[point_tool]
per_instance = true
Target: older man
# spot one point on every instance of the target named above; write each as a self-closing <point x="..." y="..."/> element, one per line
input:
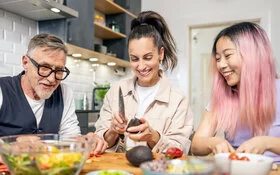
<point x="35" y="101"/>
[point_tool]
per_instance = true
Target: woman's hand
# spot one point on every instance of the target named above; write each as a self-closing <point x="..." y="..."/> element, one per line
<point x="100" y="145"/>
<point x="144" y="133"/>
<point x="222" y="146"/>
<point x="118" y="125"/>
<point x="257" y="145"/>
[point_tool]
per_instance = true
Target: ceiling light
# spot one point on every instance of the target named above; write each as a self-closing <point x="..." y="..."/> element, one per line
<point x="111" y="63"/>
<point x="76" y="55"/>
<point x="55" y="10"/>
<point x="95" y="65"/>
<point x="93" y="59"/>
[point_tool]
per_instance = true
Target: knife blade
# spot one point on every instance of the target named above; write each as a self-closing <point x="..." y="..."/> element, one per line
<point x="121" y="147"/>
<point x="121" y="105"/>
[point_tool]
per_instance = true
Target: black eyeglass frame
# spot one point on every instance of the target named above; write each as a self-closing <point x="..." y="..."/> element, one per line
<point x="37" y="65"/>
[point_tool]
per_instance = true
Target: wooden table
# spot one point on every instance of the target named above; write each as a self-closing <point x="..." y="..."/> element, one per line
<point x="110" y="161"/>
<point x="118" y="161"/>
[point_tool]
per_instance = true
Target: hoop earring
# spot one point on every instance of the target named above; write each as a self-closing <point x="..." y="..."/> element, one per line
<point x="160" y="65"/>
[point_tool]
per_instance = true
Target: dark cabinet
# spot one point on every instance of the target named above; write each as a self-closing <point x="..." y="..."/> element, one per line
<point x="121" y="12"/>
<point x="80" y="32"/>
<point x="119" y="46"/>
<point x="77" y="31"/>
<point x="81" y="29"/>
<point x="87" y="120"/>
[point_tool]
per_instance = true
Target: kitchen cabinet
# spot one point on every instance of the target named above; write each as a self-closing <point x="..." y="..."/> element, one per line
<point x="81" y="32"/>
<point x="109" y="7"/>
<point x="115" y="12"/>
<point x="38" y="10"/>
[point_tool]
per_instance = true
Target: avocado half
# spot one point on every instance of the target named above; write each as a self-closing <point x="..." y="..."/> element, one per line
<point x="133" y="122"/>
<point x="138" y="155"/>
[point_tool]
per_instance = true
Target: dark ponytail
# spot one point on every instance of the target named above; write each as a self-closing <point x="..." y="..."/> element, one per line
<point x="150" y="24"/>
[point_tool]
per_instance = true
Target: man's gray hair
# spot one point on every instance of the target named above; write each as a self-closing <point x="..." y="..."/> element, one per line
<point x="51" y="42"/>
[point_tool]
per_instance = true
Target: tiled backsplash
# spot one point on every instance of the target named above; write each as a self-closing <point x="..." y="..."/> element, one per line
<point x="15" y="33"/>
<point x="83" y="77"/>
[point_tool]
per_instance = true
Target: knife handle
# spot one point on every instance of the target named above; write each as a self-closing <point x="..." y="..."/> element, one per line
<point x="121" y="136"/>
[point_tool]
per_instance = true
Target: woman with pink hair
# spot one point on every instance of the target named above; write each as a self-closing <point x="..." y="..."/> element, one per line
<point x="245" y="100"/>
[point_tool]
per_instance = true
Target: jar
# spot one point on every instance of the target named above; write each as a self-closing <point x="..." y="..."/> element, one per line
<point x="114" y="26"/>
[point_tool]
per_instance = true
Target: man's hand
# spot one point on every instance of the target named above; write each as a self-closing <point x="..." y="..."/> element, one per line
<point x="100" y="144"/>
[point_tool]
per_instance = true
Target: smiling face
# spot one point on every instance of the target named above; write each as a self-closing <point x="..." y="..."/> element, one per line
<point x="34" y="85"/>
<point x="144" y="60"/>
<point x="229" y="61"/>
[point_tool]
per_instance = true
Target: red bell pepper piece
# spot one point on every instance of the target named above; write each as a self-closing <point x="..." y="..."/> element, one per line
<point x="173" y="153"/>
<point x="3" y="168"/>
<point x="94" y="155"/>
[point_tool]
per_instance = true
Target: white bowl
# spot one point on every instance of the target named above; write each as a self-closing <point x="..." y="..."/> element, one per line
<point x="258" y="164"/>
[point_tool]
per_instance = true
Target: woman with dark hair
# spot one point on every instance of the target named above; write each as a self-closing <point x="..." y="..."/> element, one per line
<point x="245" y="101"/>
<point x="164" y="112"/>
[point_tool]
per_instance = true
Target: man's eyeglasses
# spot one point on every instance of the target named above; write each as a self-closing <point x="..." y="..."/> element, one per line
<point x="45" y="71"/>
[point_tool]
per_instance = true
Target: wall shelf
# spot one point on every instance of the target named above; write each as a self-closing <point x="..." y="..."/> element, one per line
<point x="109" y="7"/>
<point x="103" y="59"/>
<point x="104" y="32"/>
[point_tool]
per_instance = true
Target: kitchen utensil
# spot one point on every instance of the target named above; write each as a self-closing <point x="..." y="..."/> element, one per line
<point x="121" y="105"/>
<point x="121" y="147"/>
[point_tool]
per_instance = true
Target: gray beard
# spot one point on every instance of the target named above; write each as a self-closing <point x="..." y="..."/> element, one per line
<point x="44" y="95"/>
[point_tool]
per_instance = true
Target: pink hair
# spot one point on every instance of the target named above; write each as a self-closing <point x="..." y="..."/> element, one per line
<point x="254" y="103"/>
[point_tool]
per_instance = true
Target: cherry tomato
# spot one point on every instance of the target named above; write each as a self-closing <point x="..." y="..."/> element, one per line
<point x="244" y="158"/>
<point x="233" y="156"/>
<point x="173" y="153"/>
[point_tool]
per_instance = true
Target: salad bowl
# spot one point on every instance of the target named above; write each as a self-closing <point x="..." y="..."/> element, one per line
<point x="45" y="154"/>
<point x="243" y="163"/>
<point x="191" y="166"/>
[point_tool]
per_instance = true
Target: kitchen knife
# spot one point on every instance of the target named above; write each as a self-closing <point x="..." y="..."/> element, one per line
<point x="121" y="147"/>
<point x="121" y="105"/>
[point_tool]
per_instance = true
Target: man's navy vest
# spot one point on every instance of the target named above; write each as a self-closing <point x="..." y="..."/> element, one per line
<point x="16" y="115"/>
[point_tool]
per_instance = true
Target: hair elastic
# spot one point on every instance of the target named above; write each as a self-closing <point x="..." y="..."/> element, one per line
<point x="143" y="24"/>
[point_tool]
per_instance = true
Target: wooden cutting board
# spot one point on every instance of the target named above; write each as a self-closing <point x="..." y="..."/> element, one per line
<point x="118" y="161"/>
<point x="110" y="161"/>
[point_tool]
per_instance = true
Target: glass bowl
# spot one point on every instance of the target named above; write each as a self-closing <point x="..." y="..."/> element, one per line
<point x="45" y="154"/>
<point x="192" y="166"/>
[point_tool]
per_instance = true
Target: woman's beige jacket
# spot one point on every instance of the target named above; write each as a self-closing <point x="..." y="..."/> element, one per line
<point x="169" y="114"/>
